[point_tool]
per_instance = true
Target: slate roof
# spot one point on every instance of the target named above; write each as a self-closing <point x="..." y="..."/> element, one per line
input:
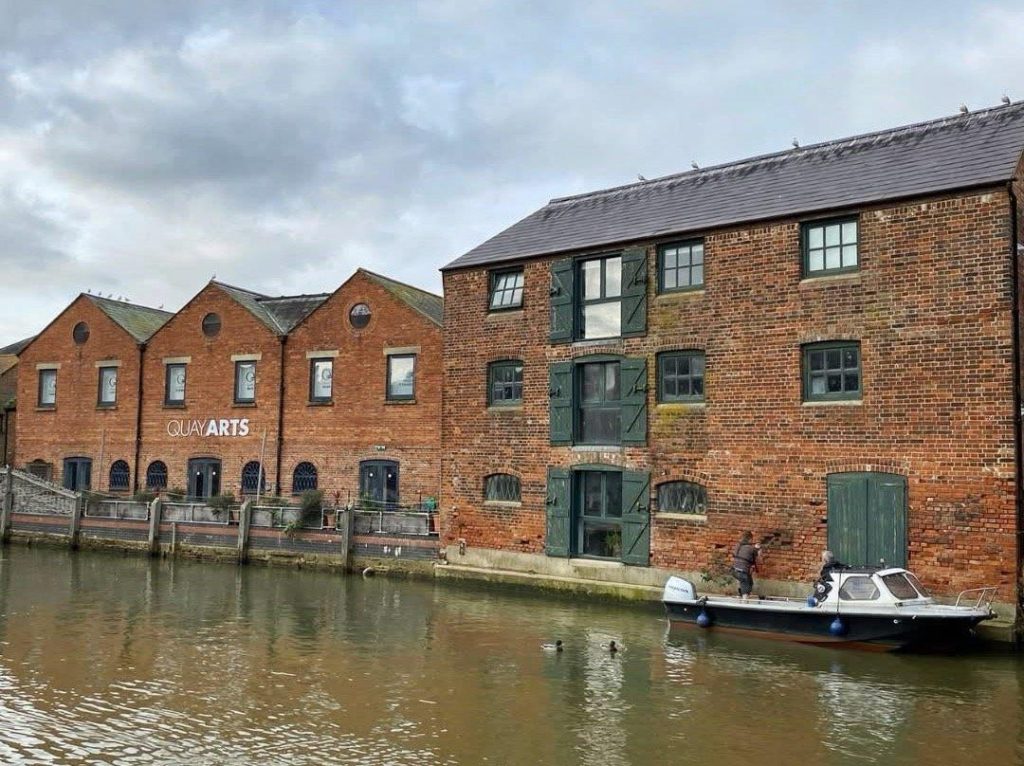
<point x="428" y="304"/>
<point x="16" y="348"/>
<point x="138" y="321"/>
<point x="289" y="310"/>
<point x="967" y="150"/>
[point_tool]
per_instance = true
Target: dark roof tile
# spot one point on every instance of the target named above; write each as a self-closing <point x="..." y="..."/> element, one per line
<point x="963" y="151"/>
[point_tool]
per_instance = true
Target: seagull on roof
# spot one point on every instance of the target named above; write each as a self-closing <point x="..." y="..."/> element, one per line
<point x="796" y="144"/>
<point x="964" y="109"/>
<point x="694" y="165"/>
<point x="640" y="177"/>
<point x="1006" y="100"/>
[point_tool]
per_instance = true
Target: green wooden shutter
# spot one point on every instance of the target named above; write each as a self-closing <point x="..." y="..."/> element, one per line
<point x="634" y="401"/>
<point x="560" y="391"/>
<point x="559" y="516"/>
<point x="887" y="520"/>
<point x="636" y="518"/>
<point x="634" y="291"/>
<point x="848" y="518"/>
<point x="562" y="306"/>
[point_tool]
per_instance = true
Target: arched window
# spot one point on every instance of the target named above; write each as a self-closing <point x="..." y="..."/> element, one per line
<point x="156" y="475"/>
<point x="251" y="478"/>
<point x="502" y="488"/>
<point x="682" y="497"/>
<point x="304" y="478"/>
<point x="41" y="468"/>
<point x="120" y="476"/>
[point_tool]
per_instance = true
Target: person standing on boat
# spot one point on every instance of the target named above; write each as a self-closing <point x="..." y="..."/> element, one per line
<point x="744" y="562"/>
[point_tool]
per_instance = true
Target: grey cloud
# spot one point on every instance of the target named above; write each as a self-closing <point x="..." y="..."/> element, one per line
<point x="145" y="145"/>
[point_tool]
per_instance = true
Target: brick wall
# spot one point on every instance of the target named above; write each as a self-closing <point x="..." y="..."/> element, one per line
<point x="77" y="427"/>
<point x="336" y="436"/>
<point x="8" y="417"/>
<point x="930" y="306"/>
<point x="209" y="391"/>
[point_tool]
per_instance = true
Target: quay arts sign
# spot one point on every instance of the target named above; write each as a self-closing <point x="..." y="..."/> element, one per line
<point x="210" y="427"/>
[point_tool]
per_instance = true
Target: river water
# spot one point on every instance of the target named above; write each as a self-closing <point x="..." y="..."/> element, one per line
<point x="120" y="660"/>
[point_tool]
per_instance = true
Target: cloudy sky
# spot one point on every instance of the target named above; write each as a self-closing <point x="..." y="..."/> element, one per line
<point x="147" y="145"/>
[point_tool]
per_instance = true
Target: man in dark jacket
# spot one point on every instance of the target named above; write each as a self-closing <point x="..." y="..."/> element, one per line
<point x="744" y="562"/>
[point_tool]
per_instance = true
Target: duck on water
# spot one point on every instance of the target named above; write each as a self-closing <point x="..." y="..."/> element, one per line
<point x="884" y="609"/>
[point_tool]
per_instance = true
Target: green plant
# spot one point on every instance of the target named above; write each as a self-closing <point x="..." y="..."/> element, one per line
<point x="221" y="504"/>
<point x="176" y="494"/>
<point x="614" y="543"/>
<point x="145" y="496"/>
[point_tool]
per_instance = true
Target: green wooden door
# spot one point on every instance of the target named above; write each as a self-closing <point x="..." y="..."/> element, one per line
<point x="867" y="518"/>
<point x="559" y="513"/>
<point x="636" y="518"/>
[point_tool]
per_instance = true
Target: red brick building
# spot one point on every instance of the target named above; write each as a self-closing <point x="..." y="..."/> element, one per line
<point x="820" y="345"/>
<point x="212" y="394"/>
<point x="237" y="392"/>
<point x="362" y="407"/>
<point x="78" y="394"/>
<point x="8" y="400"/>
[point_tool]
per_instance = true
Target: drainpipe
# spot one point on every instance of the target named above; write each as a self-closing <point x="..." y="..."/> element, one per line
<point x="138" y="420"/>
<point x="1015" y="247"/>
<point x="280" y="417"/>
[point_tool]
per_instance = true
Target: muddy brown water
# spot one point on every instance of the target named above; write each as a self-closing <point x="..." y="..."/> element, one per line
<point x="119" y="660"/>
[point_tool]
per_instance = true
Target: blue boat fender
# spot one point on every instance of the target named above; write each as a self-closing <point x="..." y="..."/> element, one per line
<point x="837" y="628"/>
<point x="812" y="601"/>
<point x="703" y="620"/>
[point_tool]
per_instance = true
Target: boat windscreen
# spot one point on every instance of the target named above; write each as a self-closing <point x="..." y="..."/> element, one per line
<point x="858" y="588"/>
<point x="899" y="586"/>
<point x="917" y="585"/>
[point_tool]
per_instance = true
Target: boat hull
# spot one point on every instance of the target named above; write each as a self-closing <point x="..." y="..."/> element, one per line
<point x="814" y="626"/>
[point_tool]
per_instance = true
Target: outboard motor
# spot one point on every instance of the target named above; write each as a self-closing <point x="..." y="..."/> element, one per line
<point x="678" y="589"/>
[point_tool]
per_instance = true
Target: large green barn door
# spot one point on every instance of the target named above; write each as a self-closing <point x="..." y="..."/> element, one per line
<point x="867" y="518"/>
<point x="887" y="519"/>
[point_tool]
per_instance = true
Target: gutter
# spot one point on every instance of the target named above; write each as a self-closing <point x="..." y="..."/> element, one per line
<point x="280" y="417"/>
<point x="138" y="420"/>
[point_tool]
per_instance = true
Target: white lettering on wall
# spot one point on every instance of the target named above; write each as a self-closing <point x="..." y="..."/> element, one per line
<point x="205" y="428"/>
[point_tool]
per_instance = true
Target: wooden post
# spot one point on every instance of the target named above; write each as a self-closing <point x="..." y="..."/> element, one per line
<point x="155" y="511"/>
<point x="8" y="506"/>
<point x="244" y="521"/>
<point x="76" y="522"/>
<point x="345" y="521"/>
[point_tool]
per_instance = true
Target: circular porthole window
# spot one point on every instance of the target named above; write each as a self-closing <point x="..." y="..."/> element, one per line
<point x="359" y="316"/>
<point x="80" y="333"/>
<point x="211" y="325"/>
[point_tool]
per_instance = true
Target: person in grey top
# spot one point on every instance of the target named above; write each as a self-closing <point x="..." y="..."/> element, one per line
<point x="744" y="562"/>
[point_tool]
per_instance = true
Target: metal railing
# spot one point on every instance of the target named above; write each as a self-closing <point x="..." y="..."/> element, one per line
<point x="983" y="600"/>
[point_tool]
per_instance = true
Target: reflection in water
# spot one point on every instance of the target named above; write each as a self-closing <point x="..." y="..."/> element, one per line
<point x="117" y="660"/>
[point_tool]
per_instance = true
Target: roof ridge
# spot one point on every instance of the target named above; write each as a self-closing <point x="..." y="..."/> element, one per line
<point x="268" y="298"/>
<point x="116" y="302"/>
<point x="239" y="289"/>
<point x="398" y="282"/>
<point x="800" y="150"/>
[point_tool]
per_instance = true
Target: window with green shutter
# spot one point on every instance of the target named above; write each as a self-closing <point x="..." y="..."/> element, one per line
<point x="558" y="513"/>
<point x="560" y="392"/>
<point x="634" y="292"/>
<point x="562" y="303"/>
<point x="636" y="518"/>
<point x="600" y="297"/>
<point x="598" y="401"/>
